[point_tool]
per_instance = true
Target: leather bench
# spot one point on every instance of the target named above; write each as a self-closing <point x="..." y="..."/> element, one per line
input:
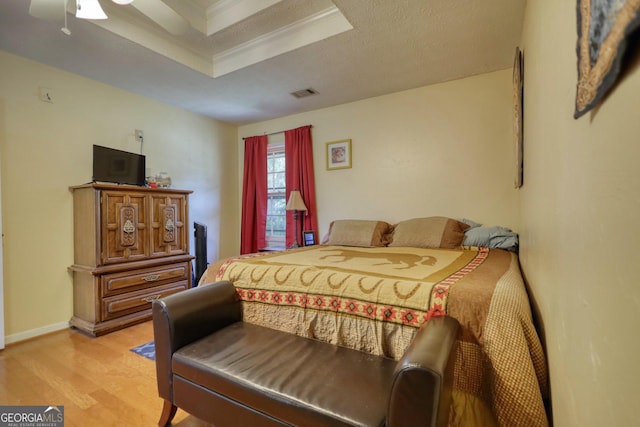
<point x="231" y="373"/>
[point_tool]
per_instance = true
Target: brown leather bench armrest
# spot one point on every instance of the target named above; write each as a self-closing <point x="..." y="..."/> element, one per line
<point x="187" y="316"/>
<point x="421" y="390"/>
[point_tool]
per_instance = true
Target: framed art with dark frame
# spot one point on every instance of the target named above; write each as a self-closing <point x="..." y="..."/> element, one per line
<point x="518" y="86"/>
<point x="339" y="154"/>
<point x="604" y="27"/>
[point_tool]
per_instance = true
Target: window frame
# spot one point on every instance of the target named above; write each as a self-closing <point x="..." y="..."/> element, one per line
<point x="275" y="149"/>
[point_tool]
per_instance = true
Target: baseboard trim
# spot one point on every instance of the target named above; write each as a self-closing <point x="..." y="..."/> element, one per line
<point x="33" y="333"/>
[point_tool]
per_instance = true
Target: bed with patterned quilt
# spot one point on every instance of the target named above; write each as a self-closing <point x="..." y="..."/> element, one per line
<point x="371" y="285"/>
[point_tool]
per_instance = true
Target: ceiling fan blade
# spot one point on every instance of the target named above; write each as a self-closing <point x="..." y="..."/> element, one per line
<point x="163" y="15"/>
<point x="47" y="9"/>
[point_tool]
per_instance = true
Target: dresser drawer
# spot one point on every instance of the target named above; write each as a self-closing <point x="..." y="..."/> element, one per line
<point x="133" y="302"/>
<point x="133" y="280"/>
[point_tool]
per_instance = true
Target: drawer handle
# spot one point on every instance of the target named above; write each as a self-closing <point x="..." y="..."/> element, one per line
<point x="151" y="298"/>
<point x="151" y="277"/>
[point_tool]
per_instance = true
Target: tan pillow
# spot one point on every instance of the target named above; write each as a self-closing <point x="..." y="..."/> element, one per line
<point x="431" y="232"/>
<point x="359" y="232"/>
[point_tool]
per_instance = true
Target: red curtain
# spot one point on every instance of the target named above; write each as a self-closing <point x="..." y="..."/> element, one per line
<point x="298" y="152"/>
<point x="254" y="195"/>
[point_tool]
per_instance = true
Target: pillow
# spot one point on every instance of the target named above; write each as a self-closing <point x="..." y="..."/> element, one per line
<point x="431" y="232"/>
<point x="359" y="232"/>
<point x="492" y="237"/>
<point x="470" y="223"/>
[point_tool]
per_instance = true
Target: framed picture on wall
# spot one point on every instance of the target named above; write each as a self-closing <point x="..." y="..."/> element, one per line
<point x="309" y="238"/>
<point x="604" y="29"/>
<point x="339" y="154"/>
<point x="517" y="115"/>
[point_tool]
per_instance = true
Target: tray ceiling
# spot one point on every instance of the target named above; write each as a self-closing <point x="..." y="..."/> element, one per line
<point x="240" y="60"/>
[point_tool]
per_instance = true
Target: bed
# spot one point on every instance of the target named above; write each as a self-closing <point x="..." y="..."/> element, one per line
<point x="370" y="286"/>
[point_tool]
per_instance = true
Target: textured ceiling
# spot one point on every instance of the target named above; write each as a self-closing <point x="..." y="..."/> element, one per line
<point x="345" y="49"/>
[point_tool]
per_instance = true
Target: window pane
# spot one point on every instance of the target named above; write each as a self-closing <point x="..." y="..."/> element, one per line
<point x="278" y="205"/>
<point x="279" y="163"/>
<point x="281" y="223"/>
<point x="273" y="165"/>
<point x="276" y="227"/>
<point x="279" y="181"/>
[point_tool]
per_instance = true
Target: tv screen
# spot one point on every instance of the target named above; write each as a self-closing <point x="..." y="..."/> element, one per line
<point x="120" y="167"/>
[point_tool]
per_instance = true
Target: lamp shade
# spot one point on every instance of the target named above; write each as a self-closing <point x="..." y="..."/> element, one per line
<point x="295" y="202"/>
<point x="89" y="9"/>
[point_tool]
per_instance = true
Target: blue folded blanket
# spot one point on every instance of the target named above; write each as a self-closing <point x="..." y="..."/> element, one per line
<point x="492" y="237"/>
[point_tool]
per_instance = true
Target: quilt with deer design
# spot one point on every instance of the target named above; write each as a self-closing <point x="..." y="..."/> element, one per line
<point x="374" y="299"/>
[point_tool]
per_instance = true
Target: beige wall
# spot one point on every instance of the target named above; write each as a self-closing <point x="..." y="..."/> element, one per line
<point x="439" y="150"/>
<point x="45" y="148"/>
<point x="580" y="207"/>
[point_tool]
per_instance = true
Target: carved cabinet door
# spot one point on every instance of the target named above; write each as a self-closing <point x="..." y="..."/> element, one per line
<point x="124" y="226"/>
<point x="168" y="224"/>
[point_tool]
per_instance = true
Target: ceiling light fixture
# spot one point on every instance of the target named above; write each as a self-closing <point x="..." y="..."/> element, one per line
<point x="89" y="9"/>
<point x="122" y="2"/>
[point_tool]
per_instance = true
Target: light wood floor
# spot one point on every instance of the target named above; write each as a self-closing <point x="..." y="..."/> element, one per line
<point x="99" y="381"/>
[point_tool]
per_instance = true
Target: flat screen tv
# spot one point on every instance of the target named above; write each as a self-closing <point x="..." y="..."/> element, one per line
<point x="117" y="166"/>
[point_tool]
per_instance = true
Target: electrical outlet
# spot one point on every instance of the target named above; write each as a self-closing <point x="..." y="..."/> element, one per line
<point x="46" y="94"/>
<point x="139" y="136"/>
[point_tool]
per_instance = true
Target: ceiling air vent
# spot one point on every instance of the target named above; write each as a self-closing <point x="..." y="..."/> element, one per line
<point x="304" y="93"/>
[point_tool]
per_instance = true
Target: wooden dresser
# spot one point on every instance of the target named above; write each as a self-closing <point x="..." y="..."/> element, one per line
<point x="131" y="246"/>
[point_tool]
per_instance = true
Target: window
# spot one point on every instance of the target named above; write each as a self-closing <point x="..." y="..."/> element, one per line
<point x="276" y="196"/>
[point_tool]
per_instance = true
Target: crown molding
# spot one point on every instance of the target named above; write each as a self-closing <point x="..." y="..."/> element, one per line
<point x="311" y="29"/>
<point x="225" y="13"/>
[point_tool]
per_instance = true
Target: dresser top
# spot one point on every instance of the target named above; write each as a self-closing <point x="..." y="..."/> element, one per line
<point x="126" y="187"/>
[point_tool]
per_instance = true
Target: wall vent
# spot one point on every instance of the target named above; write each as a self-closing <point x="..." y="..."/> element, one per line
<point x="304" y="93"/>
